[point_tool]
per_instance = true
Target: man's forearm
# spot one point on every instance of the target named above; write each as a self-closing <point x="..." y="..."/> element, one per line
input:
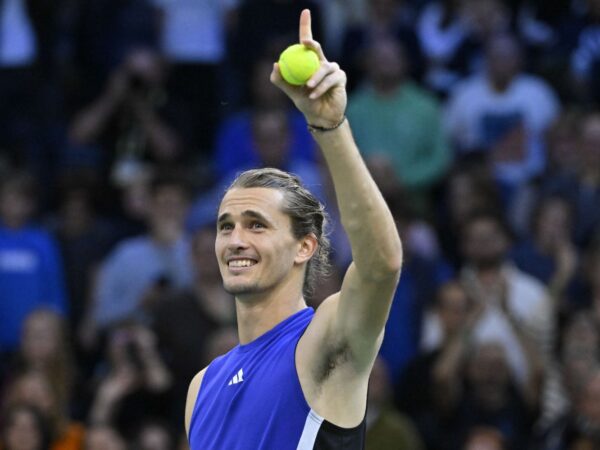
<point x="376" y="247"/>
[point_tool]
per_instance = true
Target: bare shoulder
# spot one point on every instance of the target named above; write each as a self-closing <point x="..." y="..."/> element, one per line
<point x="192" y="395"/>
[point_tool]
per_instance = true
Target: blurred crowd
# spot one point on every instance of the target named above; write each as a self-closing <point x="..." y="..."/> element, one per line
<point x="123" y="121"/>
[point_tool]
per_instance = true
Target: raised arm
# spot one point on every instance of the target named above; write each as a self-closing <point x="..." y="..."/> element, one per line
<point x="359" y="311"/>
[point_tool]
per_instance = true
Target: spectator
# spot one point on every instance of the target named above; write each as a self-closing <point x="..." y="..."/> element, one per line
<point x="160" y="257"/>
<point x="475" y="387"/>
<point x="237" y="146"/>
<point x="485" y="438"/>
<point x="35" y="388"/>
<point x="386" y="19"/>
<point x="23" y="428"/>
<point x="549" y="253"/>
<point x="27" y="61"/>
<point x="44" y="347"/>
<point x="184" y="320"/>
<point x="468" y="188"/>
<point x="129" y="121"/>
<point x="457" y="315"/>
<point x="104" y="437"/>
<point x="154" y="435"/>
<point x="134" y="383"/>
<point x="387" y="428"/>
<point x="451" y="34"/>
<point x="581" y="427"/>
<point x="517" y="314"/>
<point x="84" y="239"/>
<point x="504" y="113"/>
<point x="266" y="27"/>
<point x="31" y="273"/>
<point x="193" y="40"/>
<point x="514" y="301"/>
<point x="579" y="179"/>
<point x="562" y="165"/>
<point x="95" y="51"/>
<point x="399" y="121"/>
<point x="585" y="57"/>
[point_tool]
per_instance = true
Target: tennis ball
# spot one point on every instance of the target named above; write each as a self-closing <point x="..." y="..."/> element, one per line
<point x="297" y="64"/>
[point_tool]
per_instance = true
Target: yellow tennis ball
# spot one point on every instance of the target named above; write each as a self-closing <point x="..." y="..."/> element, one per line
<point x="297" y="64"/>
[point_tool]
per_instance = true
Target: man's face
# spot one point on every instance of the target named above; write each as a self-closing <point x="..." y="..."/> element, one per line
<point x="16" y="208"/>
<point x="169" y="203"/>
<point x="485" y="243"/>
<point x="453" y="308"/>
<point x="255" y="247"/>
<point x="503" y="60"/>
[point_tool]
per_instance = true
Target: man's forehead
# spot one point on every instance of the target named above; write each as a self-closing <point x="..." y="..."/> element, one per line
<point x="259" y="199"/>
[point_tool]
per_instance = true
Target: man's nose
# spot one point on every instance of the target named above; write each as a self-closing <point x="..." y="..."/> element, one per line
<point x="237" y="239"/>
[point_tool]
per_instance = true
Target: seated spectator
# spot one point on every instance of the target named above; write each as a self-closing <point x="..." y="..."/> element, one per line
<point x="35" y="388"/>
<point x="485" y="438"/>
<point x="23" y="427"/>
<point x="160" y="257"/>
<point x="549" y="253"/>
<point x="479" y="389"/>
<point x="104" y="437"/>
<point x="31" y="273"/>
<point x="102" y="34"/>
<point x="237" y="147"/>
<point x="193" y="38"/>
<point x="387" y="428"/>
<point x="154" y="435"/>
<point x="504" y="113"/>
<point x="130" y="121"/>
<point x="457" y="314"/>
<point x="517" y="312"/>
<point x="185" y="319"/>
<point x="385" y="18"/>
<point x="399" y="120"/>
<point x="468" y="188"/>
<point x="133" y="382"/>
<point x="451" y="34"/>
<point x="45" y="348"/>
<point x="580" y="427"/>
<point x="585" y="56"/>
<point x="562" y="164"/>
<point x="84" y="239"/>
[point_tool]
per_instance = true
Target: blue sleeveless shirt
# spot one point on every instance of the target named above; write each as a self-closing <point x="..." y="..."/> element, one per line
<point x="251" y="399"/>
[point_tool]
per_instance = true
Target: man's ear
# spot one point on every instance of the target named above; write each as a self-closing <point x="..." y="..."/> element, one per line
<point x="308" y="246"/>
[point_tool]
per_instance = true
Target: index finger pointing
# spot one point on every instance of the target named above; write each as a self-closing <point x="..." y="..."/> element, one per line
<point x="305" y="26"/>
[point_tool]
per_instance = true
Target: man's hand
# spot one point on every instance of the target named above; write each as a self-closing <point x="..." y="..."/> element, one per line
<point x="323" y="99"/>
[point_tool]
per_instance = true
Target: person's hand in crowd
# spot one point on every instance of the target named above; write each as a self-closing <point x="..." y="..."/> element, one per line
<point x="323" y="99"/>
<point x="157" y="376"/>
<point x="118" y="384"/>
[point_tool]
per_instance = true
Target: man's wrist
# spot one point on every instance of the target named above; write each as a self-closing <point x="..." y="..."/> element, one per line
<point x="318" y="128"/>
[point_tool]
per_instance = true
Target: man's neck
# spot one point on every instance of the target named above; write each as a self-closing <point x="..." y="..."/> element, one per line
<point x="256" y="316"/>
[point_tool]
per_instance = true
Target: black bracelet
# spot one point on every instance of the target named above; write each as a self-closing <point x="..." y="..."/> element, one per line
<point x="315" y="128"/>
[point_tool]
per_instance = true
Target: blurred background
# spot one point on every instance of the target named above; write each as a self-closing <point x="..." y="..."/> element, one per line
<point x="122" y="122"/>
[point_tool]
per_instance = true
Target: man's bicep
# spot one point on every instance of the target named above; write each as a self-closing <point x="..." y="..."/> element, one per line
<point x="192" y="395"/>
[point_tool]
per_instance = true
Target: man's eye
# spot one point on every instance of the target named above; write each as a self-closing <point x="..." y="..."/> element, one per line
<point x="257" y="225"/>
<point x="225" y="227"/>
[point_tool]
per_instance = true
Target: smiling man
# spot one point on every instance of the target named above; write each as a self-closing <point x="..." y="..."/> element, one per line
<point x="298" y="379"/>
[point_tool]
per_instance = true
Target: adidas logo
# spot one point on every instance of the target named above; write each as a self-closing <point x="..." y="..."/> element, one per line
<point x="237" y="378"/>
